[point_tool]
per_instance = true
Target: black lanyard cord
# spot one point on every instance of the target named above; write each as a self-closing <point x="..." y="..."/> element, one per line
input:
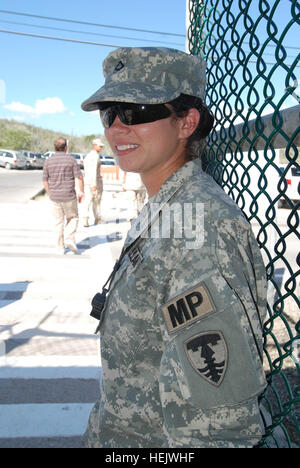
<point x="100" y="298"/>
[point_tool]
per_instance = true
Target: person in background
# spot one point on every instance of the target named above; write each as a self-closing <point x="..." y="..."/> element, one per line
<point x="133" y="185"/>
<point x="59" y="175"/>
<point x="93" y="183"/>
<point x="181" y="318"/>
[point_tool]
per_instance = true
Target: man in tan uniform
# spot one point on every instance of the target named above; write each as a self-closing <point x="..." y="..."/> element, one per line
<point x="93" y="182"/>
<point x="135" y="189"/>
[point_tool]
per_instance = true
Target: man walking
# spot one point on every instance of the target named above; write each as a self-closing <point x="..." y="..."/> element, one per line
<point x="93" y="182"/>
<point x="59" y="174"/>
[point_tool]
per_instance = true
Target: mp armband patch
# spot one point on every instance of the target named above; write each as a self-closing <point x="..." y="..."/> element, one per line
<point x="187" y="308"/>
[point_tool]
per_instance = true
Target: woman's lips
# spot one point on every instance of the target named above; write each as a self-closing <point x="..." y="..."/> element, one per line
<point x="122" y="150"/>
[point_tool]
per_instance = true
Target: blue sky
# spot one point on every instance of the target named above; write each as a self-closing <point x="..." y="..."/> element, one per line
<point x="43" y="82"/>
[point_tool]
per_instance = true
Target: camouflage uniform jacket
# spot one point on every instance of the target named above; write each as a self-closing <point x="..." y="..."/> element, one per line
<point x="181" y="332"/>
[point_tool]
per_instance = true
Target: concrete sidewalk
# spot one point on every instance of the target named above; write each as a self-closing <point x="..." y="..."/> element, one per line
<point x="49" y="354"/>
<point x="32" y="270"/>
<point x="31" y="266"/>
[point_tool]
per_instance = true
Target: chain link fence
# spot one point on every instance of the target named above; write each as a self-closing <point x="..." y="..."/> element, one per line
<point x="253" y="152"/>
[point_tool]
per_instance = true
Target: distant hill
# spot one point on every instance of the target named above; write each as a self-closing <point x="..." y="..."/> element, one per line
<point x="20" y="136"/>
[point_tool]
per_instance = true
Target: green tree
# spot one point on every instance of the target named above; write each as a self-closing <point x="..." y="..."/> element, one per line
<point x="11" y="138"/>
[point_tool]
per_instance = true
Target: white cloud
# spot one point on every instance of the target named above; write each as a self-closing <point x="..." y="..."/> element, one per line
<point x="19" y="107"/>
<point x="42" y="107"/>
<point x="18" y="118"/>
<point x="2" y="91"/>
<point x="50" y="106"/>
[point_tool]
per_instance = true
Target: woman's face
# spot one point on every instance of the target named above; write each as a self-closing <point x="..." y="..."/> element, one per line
<point x="150" y="149"/>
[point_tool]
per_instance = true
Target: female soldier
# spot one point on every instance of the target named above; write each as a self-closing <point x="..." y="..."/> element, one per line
<point x="181" y="336"/>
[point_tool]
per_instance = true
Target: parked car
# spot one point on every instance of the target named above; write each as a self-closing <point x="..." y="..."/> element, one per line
<point x="79" y="158"/>
<point x="107" y="160"/>
<point x="12" y="159"/>
<point x="292" y="178"/>
<point x="48" y="154"/>
<point x="34" y="159"/>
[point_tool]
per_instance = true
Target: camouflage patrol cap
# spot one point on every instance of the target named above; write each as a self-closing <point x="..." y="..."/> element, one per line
<point x="149" y="75"/>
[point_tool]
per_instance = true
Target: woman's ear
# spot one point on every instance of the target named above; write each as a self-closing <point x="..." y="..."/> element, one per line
<point x="189" y="123"/>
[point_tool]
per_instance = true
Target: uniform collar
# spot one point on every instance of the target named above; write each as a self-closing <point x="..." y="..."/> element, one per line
<point x="170" y="187"/>
<point x="176" y="180"/>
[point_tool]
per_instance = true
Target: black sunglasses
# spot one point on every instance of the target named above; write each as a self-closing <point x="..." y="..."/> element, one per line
<point x="132" y="114"/>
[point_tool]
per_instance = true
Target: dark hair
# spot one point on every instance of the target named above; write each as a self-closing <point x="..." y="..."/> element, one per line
<point x="180" y="107"/>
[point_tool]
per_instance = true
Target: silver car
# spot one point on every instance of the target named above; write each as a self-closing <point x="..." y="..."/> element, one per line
<point x="79" y="158"/>
<point x="48" y="154"/>
<point x="12" y="159"/>
<point x="34" y="159"/>
<point x="107" y="160"/>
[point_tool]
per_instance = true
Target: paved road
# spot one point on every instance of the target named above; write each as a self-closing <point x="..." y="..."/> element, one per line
<point x="18" y="186"/>
<point x="49" y="355"/>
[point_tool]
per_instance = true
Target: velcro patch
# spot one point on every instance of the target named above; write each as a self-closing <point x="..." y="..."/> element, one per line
<point x="135" y="256"/>
<point x="187" y="308"/>
<point x="207" y="352"/>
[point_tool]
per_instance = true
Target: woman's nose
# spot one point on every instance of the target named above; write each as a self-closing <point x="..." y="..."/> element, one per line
<point x="117" y="126"/>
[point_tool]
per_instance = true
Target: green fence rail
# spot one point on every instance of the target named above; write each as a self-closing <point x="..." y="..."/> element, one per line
<point x="251" y="49"/>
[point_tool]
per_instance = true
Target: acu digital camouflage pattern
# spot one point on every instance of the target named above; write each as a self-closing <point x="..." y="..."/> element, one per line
<point x="193" y="385"/>
<point x="149" y="75"/>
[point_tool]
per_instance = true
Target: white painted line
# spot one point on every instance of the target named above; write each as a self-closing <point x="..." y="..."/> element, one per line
<point x="50" y="367"/>
<point x="44" y="420"/>
<point x="28" y="249"/>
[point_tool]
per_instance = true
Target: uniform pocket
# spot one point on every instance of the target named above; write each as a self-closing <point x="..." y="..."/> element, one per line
<point x="218" y="360"/>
